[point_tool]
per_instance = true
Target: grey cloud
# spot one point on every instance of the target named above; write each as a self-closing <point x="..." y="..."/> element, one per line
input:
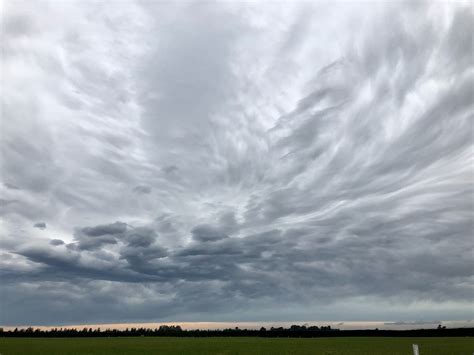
<point x="11" y="186"/>
<point x="170" y="169"/>
<point x="459" y="41"/>
<point x="94" y="238"/>
<point x="55" y="265"/>
<point x="92" y="243"/>
<point x="17" y="26"/>
<point x="228" y="222"/>
<point x="142" y="189"/>
<point x="256" y="170"/>
<point x="106" y="229"/>
<point x="207" y="233"/>
<point x="4" y="202"/>
<point x="185" y="63"/>
<point x="140" y="237"/>
<point x="140" y="259"/>
<point x="50" y="257"/>
<point x="40" y="225"/>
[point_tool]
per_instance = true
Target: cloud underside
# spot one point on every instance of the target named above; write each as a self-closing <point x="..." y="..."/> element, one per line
<point x="236" y="162"/>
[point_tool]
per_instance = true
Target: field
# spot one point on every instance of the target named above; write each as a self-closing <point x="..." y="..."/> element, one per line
<point x="150" y="345"/>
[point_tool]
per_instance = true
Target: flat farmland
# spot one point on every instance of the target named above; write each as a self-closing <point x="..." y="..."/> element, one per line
<point x="228" y="346"/>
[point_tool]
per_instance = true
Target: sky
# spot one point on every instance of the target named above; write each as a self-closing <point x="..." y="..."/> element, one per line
<point x="236" y="161"/>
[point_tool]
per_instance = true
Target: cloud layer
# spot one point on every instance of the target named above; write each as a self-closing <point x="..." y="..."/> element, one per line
<point x="236" y="162"/>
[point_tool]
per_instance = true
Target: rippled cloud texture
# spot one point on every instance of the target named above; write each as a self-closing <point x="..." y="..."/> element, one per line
<point x="236" y="161"/>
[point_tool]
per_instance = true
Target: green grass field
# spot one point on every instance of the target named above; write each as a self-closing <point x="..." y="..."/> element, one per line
<point x="324" y="346"/>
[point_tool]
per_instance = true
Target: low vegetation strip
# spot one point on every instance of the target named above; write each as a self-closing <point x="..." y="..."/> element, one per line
<point x="295" y="331"/>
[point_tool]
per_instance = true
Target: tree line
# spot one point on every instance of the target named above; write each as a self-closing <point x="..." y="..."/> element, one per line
<point x="295" y="331"/>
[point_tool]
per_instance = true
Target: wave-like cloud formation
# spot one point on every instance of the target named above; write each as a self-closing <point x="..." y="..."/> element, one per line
<point x="236" y="161"/>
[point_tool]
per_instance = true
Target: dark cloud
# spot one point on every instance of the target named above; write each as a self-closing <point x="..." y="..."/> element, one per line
<point x="105" y="229"/>
<point x="11" y="186"/>
<point x="140" y="237"/>
<point x="206" y="233"/>
<point x="92" y="243"/>
<point x="94" y="238"/>
<point x="40" y="225"/>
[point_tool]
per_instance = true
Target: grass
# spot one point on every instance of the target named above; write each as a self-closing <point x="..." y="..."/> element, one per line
<point x="228" y="346"/>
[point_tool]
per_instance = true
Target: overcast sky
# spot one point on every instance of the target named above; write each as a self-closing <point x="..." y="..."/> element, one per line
<point x="236" y="161"/>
